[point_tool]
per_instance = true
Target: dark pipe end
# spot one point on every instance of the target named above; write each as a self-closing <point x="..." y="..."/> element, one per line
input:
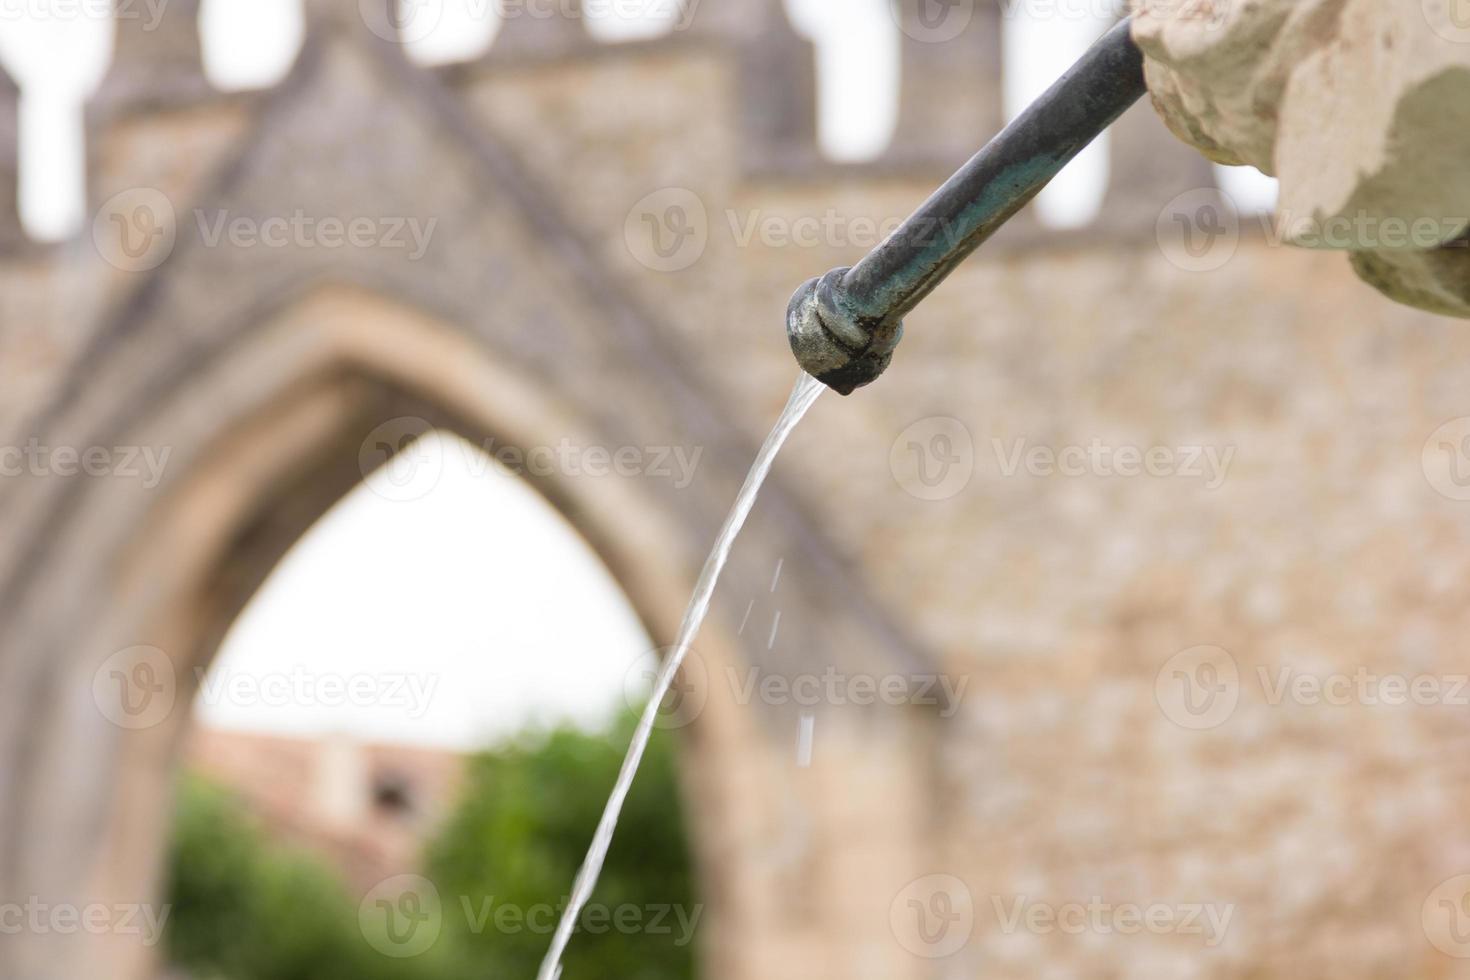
<point x="830" y="344"/>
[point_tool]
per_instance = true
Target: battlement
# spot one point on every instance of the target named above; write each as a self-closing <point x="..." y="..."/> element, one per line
<point x="777" y="81"/>
<point x="950" y="87"/>
<point x="154" y="65"/>
<point x="10" y="230"/>
<point x="543" y="37"/>
<point x="950" y="95"/>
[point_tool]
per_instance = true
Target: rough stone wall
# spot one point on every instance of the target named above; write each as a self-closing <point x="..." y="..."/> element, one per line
<point x="1182" y="748"/>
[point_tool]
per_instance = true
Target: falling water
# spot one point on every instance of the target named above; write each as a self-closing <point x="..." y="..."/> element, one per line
<point x="802" y="396"/>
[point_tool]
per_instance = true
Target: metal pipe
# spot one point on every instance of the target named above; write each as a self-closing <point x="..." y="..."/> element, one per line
<point x="844" y="326"/>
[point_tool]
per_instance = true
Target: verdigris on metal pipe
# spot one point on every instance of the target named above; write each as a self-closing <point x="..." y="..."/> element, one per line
<point x="844" y="326"/>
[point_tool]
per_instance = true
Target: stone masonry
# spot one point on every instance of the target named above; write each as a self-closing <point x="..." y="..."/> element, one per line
<point x="1186" y="511"/>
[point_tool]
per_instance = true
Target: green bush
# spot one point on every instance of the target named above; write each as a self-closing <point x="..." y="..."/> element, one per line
<point x="244" y="908"/>
<point x="519" y="837"/>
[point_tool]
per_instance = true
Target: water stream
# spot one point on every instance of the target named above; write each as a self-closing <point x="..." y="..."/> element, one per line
<point x="802" y="396"/>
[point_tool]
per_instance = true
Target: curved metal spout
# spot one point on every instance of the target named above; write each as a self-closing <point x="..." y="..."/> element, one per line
<point x="844" y="326"/>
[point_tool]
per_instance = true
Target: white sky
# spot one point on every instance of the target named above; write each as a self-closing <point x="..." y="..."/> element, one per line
<point x="57" y="50"/>
<point x="475" y="590"/>
<point x="478" y="588"/>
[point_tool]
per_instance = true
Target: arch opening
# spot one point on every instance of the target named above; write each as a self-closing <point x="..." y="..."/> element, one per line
<point x="428" y="687"/>
<point x="273" y="434"/>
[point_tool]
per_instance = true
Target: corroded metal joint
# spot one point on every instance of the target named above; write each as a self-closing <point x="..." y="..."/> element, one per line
<point x="843" y="326"/>
<point x="834" y="345"/>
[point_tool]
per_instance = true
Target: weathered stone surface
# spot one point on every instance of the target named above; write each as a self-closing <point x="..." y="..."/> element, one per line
<point x="1362" y="109"/>
<point x="776" y="81"/>
<point x="1309" y="516"/>
<point x="157" y="58"/>
<point x="950" y="81"/>
<point x="10" y="231"/>
<point x="1435" y="279"/>
<point x="1147" y="168"/>
<point x="1216" y="69"/>
<point x="541" y="32"/>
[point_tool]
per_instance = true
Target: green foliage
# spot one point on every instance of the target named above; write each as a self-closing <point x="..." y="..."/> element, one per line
<point x="244" y="908"/>
<point x="518" y="839"/>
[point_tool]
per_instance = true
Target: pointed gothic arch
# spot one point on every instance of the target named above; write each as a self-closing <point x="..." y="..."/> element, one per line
<point x="262" y="369"/>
